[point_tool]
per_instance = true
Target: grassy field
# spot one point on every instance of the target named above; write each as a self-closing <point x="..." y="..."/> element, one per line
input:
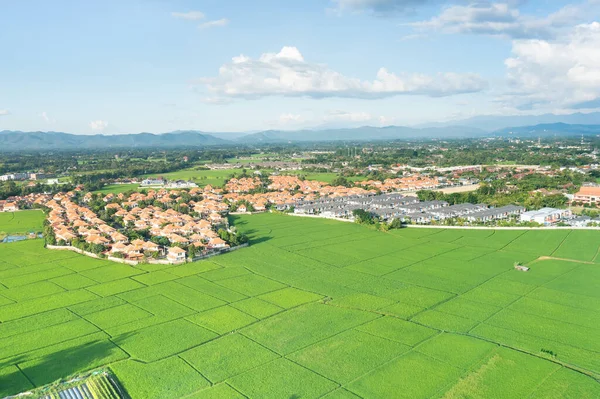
<point x="117" y="188"/>
<point x="202" y="177"/>
<point x="315" y="309"/>
<point x="322" y="176"/>
<point x="21" y="222"/>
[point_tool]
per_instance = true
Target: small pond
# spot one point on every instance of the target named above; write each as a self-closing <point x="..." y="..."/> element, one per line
<point x="15" y="238"/>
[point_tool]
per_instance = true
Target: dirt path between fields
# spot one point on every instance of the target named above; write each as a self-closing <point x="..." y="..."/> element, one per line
<point x="563" y="259"/>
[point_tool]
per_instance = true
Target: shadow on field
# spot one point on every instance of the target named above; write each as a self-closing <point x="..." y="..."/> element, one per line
<point x="236" y="220"/>
<point x="258" y="240"/>
<point x="57" y="365"/>
<point x="255" y="237"/>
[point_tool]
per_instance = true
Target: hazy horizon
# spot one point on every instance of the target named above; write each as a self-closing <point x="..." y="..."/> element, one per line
<point x="244" y="67"/>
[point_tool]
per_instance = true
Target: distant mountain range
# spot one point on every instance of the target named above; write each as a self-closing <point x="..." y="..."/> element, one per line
<point x="35" y="141"/>
<point x="15" y="140"/>
<point x="492" y="123"/>
<point x="549" y="129"/>
<point x="361" y="134"/>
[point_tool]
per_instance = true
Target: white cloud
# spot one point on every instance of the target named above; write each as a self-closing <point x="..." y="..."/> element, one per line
<point x="4" y="112"/>
<point x="214" y="24"/>
<point x="503" y="19"/>
<point x="98" y="125"/>
<point x="560" y="73"/>
<point x="190" y="15"/>
<point x="46" y="118"/>
<point x="287" y="74"/>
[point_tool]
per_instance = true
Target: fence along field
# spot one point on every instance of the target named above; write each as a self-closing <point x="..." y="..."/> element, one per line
<point x="315" y="308"/>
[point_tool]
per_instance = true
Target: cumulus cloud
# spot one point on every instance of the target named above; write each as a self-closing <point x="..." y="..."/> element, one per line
<point x="214" y="24"/>
<point x="560" y="73"/>
<point x="189" y="16"/>
<point x="503" y="19"/>
<point x="287" y="73"/>
<point x="4" y="112"/>
<point x="380" y="6"/>
<point x="98" y="125"/>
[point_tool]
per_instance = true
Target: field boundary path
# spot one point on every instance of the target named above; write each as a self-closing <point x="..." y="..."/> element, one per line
<point x="541" y="258"/>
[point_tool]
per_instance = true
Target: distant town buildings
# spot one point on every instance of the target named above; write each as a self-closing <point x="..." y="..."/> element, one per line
<point x="151" y="181"/>
<point x="160" y="182"/>
<point x="14" y="176"/>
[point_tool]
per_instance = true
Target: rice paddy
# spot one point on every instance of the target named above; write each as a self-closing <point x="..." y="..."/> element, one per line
<point x="21" y="222"/>
<point x="315" y="309"/>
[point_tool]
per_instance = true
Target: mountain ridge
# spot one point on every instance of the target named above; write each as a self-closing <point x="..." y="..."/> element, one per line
<point x="496" y="122"/>
<point x="32" y="141"/>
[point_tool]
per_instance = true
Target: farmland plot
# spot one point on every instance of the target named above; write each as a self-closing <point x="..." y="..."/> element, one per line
<point x="315" y="309"/>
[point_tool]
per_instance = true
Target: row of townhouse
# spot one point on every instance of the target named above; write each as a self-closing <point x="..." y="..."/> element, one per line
<point x="422" y="206"/>
<point x="582" y="221"/>
<point x="385" y="205"/>
<point x="470" y="212"/>
<point x="407" y="209"/>
<point x="458" y="210"/>
<point x="546" y="216"/>
<point x="500" y="213"/>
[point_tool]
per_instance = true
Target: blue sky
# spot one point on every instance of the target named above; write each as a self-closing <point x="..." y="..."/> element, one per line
<point x="126" y="66"/>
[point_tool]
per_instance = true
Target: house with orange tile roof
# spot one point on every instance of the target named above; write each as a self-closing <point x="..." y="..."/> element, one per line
<point x="64" y="235"/>
<point x="119" y="247"/>
<point x="588" y="195"/>
<point x="96" y="239"/>
<point x="177" y="239"/>
<point x="119" y="238"/>
<point x="10" y="207"/>
<point x="217" y="243"/>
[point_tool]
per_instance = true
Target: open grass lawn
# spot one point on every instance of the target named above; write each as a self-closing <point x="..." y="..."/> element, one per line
<point x="117" y="188"/>
<point x="21" y="222"/>
<point x="322" y="176"/>
<point x="313" y="309"/>
<point x="201" y="177"/>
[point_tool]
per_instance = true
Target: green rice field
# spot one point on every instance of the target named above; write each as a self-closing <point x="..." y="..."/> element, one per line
<point x="315" y="308"/>
<point x="21" y="222"/>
